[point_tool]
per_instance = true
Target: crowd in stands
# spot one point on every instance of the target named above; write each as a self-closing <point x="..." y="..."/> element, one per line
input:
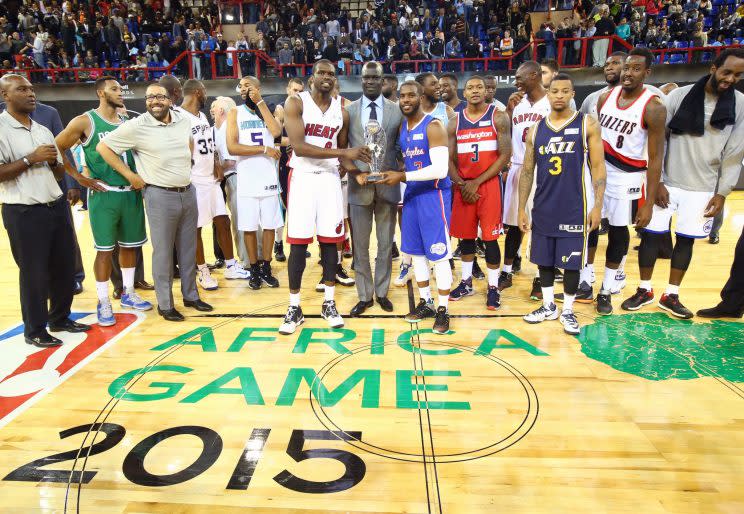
<point x="151" y="33"/>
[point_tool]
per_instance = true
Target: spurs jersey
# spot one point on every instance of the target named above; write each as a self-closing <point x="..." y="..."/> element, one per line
<point x="477" y="143"/>
<point x="321" y="129"/>
<point x="625" y="138"/>
<point x="257" y="174"/>
<point x="202" y="171"/>
<point x="524" y="116"/>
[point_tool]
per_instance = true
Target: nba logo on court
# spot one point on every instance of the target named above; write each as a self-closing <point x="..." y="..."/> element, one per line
<point x="27" y="373"/>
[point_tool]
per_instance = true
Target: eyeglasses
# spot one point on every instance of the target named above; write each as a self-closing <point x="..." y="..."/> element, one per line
<point x="159" y="98"/>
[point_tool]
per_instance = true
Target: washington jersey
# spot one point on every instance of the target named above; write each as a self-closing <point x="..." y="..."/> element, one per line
<point x="477" y="143"/>
<point x="414" y="144"/>
<point x="563" y="181"/>
<point x="321" y="129"/>
<point x="625" y="139"/>
<point x="524" y="116"/>
<point x="257" y="175"/>
<point x="202" y="171"/>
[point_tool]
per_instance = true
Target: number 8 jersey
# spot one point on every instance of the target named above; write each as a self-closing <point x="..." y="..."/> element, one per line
<point x="257" y="175"/>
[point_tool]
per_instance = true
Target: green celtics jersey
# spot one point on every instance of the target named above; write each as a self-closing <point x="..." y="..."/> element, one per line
<point x="93" y="160"/>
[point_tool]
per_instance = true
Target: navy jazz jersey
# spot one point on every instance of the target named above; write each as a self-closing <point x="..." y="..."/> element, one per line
<point x="414" y="144"/>
<point x="563" y="192"/>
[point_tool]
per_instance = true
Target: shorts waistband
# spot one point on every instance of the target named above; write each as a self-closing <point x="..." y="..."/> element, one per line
<point x="108" y="187"/>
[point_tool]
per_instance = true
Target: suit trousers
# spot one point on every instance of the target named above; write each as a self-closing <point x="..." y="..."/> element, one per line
<point x="384" y="215"/>
<point x="732" y="295"/>
<point x="42" y="244"/>
<point x="172" y="217"/>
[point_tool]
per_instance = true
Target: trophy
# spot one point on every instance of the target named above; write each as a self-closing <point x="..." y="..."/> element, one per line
<point x="374" y="138"/>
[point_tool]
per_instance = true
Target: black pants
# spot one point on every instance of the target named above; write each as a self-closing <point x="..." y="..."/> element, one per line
<point x="139" y="269"/>
<point x="41" y="240"/>
<point x="732" y="294"/>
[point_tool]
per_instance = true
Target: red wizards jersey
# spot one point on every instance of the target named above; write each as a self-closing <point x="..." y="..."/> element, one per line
<point x="477" y="143"/>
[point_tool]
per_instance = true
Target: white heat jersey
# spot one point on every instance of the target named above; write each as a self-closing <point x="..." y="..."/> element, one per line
<point x="524" y="116"/>
<point x="202" y="171"/>
<point x="321" y="129"/>
<point x="257" y="175"/>
<point x="625" y="140"/>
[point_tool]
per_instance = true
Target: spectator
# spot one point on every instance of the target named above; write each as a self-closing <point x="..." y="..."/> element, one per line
<point x="605" y="28"/>
<point x="622" y="30"/>
<point x="285" y="56"/>
<point x="331" y="52"/>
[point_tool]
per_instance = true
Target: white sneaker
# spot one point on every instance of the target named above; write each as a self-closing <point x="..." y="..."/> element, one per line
<point x="205" y="279"/>
<point x="570" y="323"/>
<point x="236" y="272"/>
<point x="292" y="320"/>
<point x="542" y="314"/>
<point x="320" y="286"/>
<point x="331" y="315"/>
<point x="405" y="276"/>
<point x="620" y="281"/>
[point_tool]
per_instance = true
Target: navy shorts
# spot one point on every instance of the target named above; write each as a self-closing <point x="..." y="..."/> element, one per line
<point x="558" y="252"/>
<point x="425" y="225"/>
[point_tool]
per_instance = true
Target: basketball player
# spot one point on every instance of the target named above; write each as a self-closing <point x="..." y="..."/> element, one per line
<point x="479" y="147"/>
<point x="390" y="87"/>
<point x="703" y="161"/>
<point x="491" y="86"/>
<point x="426" y="207"/>
<point x="317" y="127"/>
<point x="549" y="69"/>
<point x="632" y="120"/>
<point x="251" y="130"/>
<point x="560" y="150"/>
<point x="206" y="178"/>
<point x="448" y="85"/>
<point x="116" y="211"/>
<point x="528" y="105"/>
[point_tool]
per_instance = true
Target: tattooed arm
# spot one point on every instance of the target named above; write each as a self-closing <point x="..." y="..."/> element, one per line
<point x="526" y="178"/>
<point x="598" y="170"/>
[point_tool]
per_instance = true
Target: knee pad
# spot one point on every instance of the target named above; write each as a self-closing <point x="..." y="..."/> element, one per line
<point x="420" y="267"/>
<point x="592" y="239"/>
<point x="467" y="246"/>
<point x="329" y="261"/>
<point x="493" y="253"/>
<point x="649" y="249"/>
<point x="682" y="253"/>
<point x="443" y="274"/>
<point x="618" y="240"/>
<point x="547" y="275"/>
<point x="296" y="265"/>
<point x="571" y="281"/>
<point x="512" y="242"/>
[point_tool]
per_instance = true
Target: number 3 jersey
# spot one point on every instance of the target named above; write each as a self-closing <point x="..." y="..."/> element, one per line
<point x="525" y="115"/>
<point x="202" y="171"/>
<point x="625" y="140"/>
<point x="257" y="174"/>
<point x="563" y="194"/>
<point x="477" y="143"/>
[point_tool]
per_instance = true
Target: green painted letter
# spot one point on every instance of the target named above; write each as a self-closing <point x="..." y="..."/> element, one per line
<point x="204" y="335"/>
<point x="248" y="387"/>
<point x="307" y="337"/>
<point x="247" y="335"/>
<point x="492" y="341"/>
<point x="370" y="392"/>
<point x="117" y="387"/>
<point x="405" y="389"/>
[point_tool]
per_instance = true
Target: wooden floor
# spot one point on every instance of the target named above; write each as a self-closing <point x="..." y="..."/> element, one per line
<point x="641" y="413"/>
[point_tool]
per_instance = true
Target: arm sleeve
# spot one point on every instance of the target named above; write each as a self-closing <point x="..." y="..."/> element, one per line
<point x="122" y="138"/>
<point x="439" y="156"/>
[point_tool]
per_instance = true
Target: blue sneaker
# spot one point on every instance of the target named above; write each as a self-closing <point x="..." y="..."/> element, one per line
<point x="134" y="301"/>
<point x="493" y="298"/>
<point x="465" y="288"/>
<point x="406" y="274"/>
<point x="105" y="314"/>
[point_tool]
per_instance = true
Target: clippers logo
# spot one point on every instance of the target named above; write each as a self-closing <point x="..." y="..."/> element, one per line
<point x="413" y="152"/>
<point x="438" y="248"/>
<point x="27" y="373"/>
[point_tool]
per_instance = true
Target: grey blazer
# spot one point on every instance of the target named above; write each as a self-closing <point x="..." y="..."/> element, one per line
<point x="391" y="120"/>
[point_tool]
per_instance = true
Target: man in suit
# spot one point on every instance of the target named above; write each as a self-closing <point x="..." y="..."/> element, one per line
<point x="368" y="200"/>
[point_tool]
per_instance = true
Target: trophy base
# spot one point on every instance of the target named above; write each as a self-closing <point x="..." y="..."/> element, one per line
<point x="374" y="177"/>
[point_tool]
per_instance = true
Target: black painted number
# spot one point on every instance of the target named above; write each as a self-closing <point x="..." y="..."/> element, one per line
<point x="241" y="477"/>
<point x="206" y="146"/>
<point x="474" y="147"/>
<point x="354" y="471"/>
<point x="32" y="471"/>
<point x="620" y="140"/>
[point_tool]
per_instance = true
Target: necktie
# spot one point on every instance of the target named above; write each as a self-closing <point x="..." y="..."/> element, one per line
<point x="373" y="111"/>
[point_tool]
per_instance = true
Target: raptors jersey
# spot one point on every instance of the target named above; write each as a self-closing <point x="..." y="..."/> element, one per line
<point x="202" y="171"/>
<point x="524" y="116"/>
<point x="321" y="129"/>
<point x="257" y="174"/>
<point x="625" y="140"/>
<point x="563" y="191"/>
<point x="477" y="143"/>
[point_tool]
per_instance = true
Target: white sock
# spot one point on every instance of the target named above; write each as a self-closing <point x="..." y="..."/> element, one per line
<point x="127" y="279"/>
<point x="443" y="301"/>
<point x="585" y="275"/>
<point x="294" y="299"/>
<point x="672" y="289"/>
<point x="229" y="263"/>
<point x="467" y="270"/>
<point x="507" y="268"/>
<point x="405" y="258"/>
<point x="329" y="291"/>
<point x="425" y="293"/>
<point x="199" y="266"/>
<point x="279" y="234"/>
<point x="340" y="260"/>
<point x="493" y="277"/>
<point x="621" y="268"/>
<point x="591" y="272"/>
<point x="645" y="284"/>
<point x="103" y="291"/>
<point x="568" y="301"/>
<point x="609" y="280"/>
<point x="548" y="296"/>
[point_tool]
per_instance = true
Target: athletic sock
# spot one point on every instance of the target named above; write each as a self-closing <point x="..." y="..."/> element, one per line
<point x="279" y="234"/>
<point x="493" y="277"/>
<point x="672" y="289"/>
<point x="127" y="279"/>
<point x="329" y="292"/>
<point x="548" y="296"/>
<point x="621" y="268"/>
<point x="443" y="301"/>
<point x="425" y="293"/>
<point x="585" y="275"/>
<point x="467" y="270"/>
<point x="645" y="284"/>
<point x="609" y="280"/>
<point x="294" y="299"/>
<point x="507" y="268"/>
<point x="568" y="301"/>
<point x="340" y="259"/>
<point x="102" y="289"/>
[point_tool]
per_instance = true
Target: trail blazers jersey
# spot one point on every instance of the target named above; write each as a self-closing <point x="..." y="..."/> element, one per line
<point x="321" y="129"/>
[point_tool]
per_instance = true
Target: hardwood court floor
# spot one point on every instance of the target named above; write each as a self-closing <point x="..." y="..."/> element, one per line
<point x="641" y="414"/>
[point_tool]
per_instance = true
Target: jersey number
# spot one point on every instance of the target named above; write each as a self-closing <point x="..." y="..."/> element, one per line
<point x="557" y="166"/>
<point x="257" y="138"/>
<point x="206" y="146"/>
<point x="620" y="140"/>
<point x="474" y="158"/>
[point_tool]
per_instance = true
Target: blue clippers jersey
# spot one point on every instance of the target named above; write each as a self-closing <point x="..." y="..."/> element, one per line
<point x="414" y="144"/>
<point x="563" y="191"/>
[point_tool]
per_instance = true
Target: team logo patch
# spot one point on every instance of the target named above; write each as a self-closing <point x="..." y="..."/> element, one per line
<point x="566" y="258"/>
<point x="484" y="123"/>
<point x="418" y="137"/>
<point x="438" y="248"/>
<point x="708" y="226"/>
<point x="28" y="373"/>
<point x="572" y="131"/>
<point x="634" y="190"/>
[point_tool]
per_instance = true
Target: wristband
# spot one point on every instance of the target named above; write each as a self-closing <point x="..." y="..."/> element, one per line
<point x="26" y="161"/>
<point x="261" y="102"/>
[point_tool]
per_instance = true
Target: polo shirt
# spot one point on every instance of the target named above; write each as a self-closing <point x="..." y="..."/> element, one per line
<point x="161" y="150"/>
<point x="37" y="184"/>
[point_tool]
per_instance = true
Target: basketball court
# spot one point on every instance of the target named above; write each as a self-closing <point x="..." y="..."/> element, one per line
<point x="642" y="413"/>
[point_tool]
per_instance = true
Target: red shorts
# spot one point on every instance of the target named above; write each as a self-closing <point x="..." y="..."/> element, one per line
<point x="486" y="211"/>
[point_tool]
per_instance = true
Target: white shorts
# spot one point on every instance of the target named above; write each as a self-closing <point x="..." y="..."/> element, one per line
<point x="263" y="211"/>
<point x="315" y="207"/>
<point x="511" y="197"/>
<point x="211" y="203"/>
<point x="618" y="211"/>
<point x="690" y="208"/>
<point x="345" y="194"/>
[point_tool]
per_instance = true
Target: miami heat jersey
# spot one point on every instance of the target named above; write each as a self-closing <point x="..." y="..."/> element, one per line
<point x="524" y="116"/>
<point x="257" y="174"/>
<point x="321" y="129"/>
<point x="414" y="144"/>
<point x="477" y="143"/>
<point x="563" y="181"/>
<point x="202" y="171"/>
<point x="625" y="140"/>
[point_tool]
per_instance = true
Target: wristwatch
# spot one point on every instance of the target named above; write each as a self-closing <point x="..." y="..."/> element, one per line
<point x="27" y="162"/>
